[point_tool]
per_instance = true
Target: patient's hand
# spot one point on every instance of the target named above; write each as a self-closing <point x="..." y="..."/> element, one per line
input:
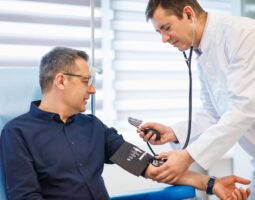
<point x="225" y="188"/>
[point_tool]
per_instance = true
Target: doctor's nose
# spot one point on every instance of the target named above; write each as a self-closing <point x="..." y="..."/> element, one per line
<point x="165" y="37"/>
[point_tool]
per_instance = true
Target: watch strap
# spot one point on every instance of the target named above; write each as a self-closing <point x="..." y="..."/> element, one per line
<point x="210" y="184"/>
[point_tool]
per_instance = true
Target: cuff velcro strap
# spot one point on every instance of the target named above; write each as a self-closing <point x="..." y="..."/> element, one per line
<point x="131" y="158"/>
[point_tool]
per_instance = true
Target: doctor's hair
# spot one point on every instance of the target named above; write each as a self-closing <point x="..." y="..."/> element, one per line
<point x="172" y="7"/>
<point x="59" y="59"/>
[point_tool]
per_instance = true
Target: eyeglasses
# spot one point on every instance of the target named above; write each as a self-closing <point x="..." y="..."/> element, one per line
<point x="89" y="79"/>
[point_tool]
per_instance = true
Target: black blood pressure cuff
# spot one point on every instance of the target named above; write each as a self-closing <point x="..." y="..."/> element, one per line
<point x="132" y="158"/>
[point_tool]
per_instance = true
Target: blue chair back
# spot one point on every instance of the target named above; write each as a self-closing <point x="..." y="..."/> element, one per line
<point x="18" y="87"/>
<point x="2" y="185"/>
<point x="167" y="193"/>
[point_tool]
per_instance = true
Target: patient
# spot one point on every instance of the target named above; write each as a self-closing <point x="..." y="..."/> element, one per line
<point x="54" y="152"/>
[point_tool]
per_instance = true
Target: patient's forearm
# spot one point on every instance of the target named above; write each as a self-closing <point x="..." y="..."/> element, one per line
<point x="192" y="178"/>
<point x="197" y="180"/>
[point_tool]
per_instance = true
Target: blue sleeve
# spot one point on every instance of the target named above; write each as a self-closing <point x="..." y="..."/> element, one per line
<point x="113" y="142"/>
<point x="112" y="139"/>
<point x="20" y="176"/>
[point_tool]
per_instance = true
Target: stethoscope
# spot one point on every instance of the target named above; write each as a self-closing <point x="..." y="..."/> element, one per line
<point x="188" y="62"/>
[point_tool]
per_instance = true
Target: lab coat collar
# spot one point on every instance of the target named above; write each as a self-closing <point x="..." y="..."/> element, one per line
<point x="208" y="33"/>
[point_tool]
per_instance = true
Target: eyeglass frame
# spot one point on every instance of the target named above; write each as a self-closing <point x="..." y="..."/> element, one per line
<point x="90" y="78"/>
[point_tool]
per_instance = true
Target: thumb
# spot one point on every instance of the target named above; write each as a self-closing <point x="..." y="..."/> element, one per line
<point x="146" y="125"/>
<point x="162" y="155"/>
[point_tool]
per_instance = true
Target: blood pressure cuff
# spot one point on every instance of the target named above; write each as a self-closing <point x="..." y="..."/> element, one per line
<point x="132" y="158"/>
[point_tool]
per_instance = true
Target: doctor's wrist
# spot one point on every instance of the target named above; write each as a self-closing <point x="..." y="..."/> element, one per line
<point x="172" y="136"/>
<point x="188" y="158"/>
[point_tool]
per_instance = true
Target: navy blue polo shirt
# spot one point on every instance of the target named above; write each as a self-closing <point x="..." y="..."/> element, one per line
<point x="44" y="158"/>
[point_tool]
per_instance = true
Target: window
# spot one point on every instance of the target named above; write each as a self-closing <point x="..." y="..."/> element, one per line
<point x="248" y="8"/>
<point x="29" y="29"/>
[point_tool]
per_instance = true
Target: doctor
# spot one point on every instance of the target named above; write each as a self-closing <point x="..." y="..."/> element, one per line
<point x="226" y="64"/>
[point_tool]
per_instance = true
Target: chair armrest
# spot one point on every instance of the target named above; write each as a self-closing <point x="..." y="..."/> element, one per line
<point x="167" y="193"/>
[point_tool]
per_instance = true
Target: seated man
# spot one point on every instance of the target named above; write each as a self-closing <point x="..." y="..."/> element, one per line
<point x="55" y="152"/>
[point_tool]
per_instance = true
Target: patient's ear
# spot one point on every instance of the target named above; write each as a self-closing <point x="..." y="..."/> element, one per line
<point x="59" y="81"/>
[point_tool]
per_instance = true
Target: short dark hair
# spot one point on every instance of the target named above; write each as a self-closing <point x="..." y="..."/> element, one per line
<point x="57" y="60"/>
<point x="172" y="7"/>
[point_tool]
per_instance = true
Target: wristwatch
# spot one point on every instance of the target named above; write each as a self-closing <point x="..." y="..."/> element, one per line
<point x="210" y="184"/>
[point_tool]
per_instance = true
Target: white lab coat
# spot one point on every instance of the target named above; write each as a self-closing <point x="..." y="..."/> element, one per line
<point x="227" y="73"/>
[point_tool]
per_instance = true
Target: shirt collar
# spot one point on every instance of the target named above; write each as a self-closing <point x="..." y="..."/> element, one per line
<point x="49" y="116"/>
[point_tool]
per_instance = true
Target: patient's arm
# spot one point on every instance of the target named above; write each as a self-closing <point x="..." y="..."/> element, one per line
<point x="224" y="187"/>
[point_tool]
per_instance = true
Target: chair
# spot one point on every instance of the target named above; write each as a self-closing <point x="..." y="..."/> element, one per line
<point x="18" y="87"/>
<point x="2" y="188"/>
<point x="167" y="193"/>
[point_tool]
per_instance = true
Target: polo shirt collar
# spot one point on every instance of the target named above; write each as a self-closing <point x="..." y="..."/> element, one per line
<point x="49" y="116"/>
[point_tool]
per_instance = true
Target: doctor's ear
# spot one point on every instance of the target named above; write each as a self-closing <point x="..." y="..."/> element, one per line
<point x="190" y="17"/>
<point x="188" y="12"/>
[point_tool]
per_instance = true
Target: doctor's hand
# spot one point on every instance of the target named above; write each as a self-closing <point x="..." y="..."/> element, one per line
<point x="225" y="188"/>
<point x="166" y="133"/>
<point x="178" y="161"/>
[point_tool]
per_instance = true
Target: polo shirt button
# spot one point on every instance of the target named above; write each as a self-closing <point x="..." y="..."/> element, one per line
<point x="80" y="164"/>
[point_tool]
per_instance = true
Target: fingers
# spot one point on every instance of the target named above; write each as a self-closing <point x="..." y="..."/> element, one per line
<point x="248" y="192"/>
<point x="240" y="194"/>
<point x="140" y="130"/>
<point x="148" y="137"/>
<point x="171" y="179"/>
<point x="242" y="180"/>
<point x="166" y="178"/>
<point x="164" y="173"/>
<point x="148" y="125"/>
<point x="235" y="195"/>
<point x="245" y="193"/>
<point x="151" y="171"/>
<point x="166" y="134"/>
